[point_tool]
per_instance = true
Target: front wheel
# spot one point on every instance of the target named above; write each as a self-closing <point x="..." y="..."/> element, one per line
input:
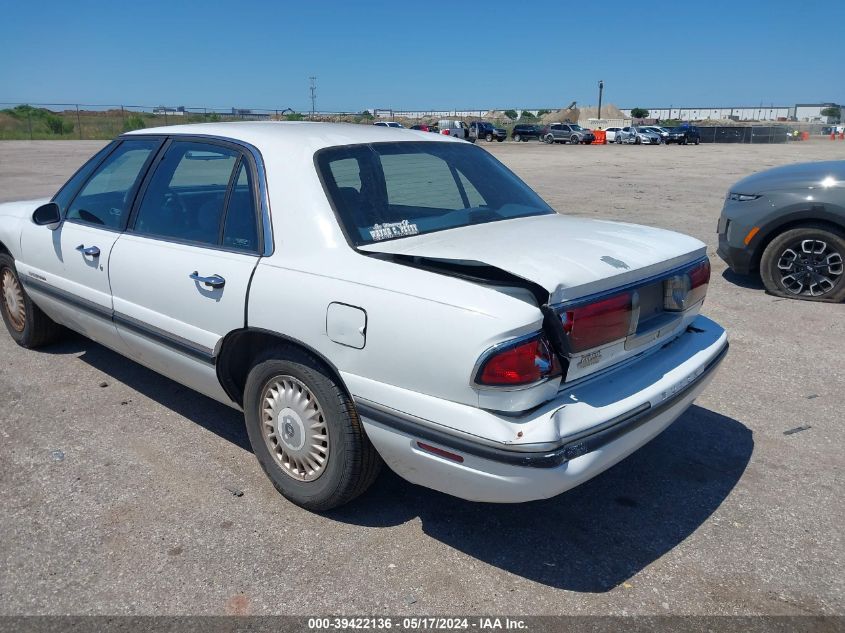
<point x="305" y="431"/>
<point x="806" y="263"/>
<point x="517" y="138"/>
<point x="489" y="138"/>
<point x="27" y="325"/>
<point x="574" y="140"/>
<point x="549" y="139"/>
<point x="697" y="141"/>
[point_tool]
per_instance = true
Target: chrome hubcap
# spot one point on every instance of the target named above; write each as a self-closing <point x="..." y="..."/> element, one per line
<point x="811" y="268"/>
<point x="295" y="428"/>
<point x="13" y="298"/>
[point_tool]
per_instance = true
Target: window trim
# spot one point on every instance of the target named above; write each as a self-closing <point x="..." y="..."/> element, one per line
<point x="143" y="172"/>
<point x="239" y="159"/>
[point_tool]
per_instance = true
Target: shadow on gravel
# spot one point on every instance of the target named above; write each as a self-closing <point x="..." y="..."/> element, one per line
<point x="743" y="281"/>
<point x="589" y="539"/>
<point x="210" y="414"/>
<point x="597" y="535"/>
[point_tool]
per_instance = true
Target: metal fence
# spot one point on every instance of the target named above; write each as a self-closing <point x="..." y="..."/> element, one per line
<point x="744" y="134"/>
<point x="39" y="121"/>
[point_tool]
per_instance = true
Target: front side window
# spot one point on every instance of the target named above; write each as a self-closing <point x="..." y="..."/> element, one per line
<point x="186" y="197"/>
<point x="392" y="190"/>
<point x="107" y="196"/>
<point x="69" y="189"/>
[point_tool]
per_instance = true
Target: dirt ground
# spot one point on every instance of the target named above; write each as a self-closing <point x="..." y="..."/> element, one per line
<point x="141" y="497"/>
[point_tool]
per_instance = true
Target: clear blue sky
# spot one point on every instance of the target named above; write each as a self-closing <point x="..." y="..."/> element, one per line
<point x="408" y="55"/>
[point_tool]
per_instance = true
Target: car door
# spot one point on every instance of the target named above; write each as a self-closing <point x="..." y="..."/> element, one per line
<point x="66" y="270"/>
<point x="181" y="272"/>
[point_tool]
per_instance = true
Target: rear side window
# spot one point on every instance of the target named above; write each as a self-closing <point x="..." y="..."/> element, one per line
<point x="107" y="196"/>
<point x="200" y="193"/>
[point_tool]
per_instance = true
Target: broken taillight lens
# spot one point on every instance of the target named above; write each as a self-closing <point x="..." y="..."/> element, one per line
<point x="684" y="290"/>
<point x="522" y="363"/>
<point x="597" y="323"/>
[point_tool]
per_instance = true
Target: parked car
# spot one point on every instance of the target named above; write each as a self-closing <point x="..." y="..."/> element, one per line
<point x="456" y="128"/>
<point x="634" y="135"/>
<point x="661" y="132"/>
<point x="684" y="135"/>
<point x="369" y="296"/>
<point x="788" y="224"/>
<point x="487" y="131"/>
<point x="526" y="132"/>
<point x="610" y="133"/>
<point x="421" y="127"/>
<point x="571" y="133"/>
<point x="388" y="124"/>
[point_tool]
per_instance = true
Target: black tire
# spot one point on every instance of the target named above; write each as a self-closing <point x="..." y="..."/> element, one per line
<point x="30" y="327"/>
<point x="697" y="141"/>
<point x="638" y="141"/>
<point x="574" y="140"/>
<point x="517" y="138"/>
<point x="352" y="463"/>
<point x="500" y="139"/>
<point x="549" y="139"/>
<point x="777" y="264"/>
<point x="489" y="137"/>
<point x="683" y="141"/>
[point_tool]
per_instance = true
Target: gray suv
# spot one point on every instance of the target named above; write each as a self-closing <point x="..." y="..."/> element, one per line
<point x="789" y="223"/>
<point x="567" y="133"/>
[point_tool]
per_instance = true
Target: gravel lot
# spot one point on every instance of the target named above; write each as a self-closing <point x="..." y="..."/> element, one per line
<point x="125" y="493"/>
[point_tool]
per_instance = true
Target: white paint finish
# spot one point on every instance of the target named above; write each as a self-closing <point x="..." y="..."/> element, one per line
<point x="151" y="282"/>
<point x="53" y="257"/>
<point x="563" y="254"/>
<point x="346" y="325"/>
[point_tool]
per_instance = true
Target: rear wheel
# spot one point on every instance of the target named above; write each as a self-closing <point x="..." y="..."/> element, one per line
<point x="697" y="141"/>
<point x="574" y="140"/>
<point x="489" y="137"/>
<point x="26" y="323"/>
<point x="517" y="138"/>
<point x="806" y="263"/>
<point x="305" y="431"/>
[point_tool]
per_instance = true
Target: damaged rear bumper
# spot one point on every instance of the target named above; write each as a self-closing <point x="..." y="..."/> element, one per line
<point x="494" y="472"/>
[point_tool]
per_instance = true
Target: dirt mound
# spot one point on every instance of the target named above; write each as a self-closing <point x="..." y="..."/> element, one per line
<point x="559" y="116"/>
<point x="608" y="111"/>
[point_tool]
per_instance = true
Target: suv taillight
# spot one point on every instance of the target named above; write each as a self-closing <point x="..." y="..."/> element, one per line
<point x="521" y="363"/>
<point x="595" y="324"/>
<point x="684" y="290"/>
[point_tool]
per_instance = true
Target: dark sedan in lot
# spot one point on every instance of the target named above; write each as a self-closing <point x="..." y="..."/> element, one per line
<point x="525" y="132"/>
<point x="788" y="223"/>
<point x="683" y="135"/>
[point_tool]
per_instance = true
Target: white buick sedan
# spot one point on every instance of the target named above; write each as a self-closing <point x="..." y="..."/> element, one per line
<point x="369" y="295"/>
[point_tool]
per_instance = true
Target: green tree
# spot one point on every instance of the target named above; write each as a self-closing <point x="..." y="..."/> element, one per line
<point x="511" y="114"/>
<point x="57" y="125"/>
<point x="639" y="113"/>
<point x="134" y="122"/>
<point x="834" y="112"/>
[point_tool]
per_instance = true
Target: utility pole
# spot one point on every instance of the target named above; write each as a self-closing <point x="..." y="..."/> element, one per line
<point x="313" y="88"/>
<point x="601" y="89"/>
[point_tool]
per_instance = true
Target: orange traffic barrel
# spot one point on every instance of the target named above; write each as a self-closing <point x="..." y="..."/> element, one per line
<point x="601" y="137"/>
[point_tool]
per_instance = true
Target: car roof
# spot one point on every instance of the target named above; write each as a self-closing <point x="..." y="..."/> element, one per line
<point x="296" y="135"/>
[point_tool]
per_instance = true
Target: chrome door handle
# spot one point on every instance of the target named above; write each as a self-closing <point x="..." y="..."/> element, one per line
<point x="215" y="281"/>
<point x="91" y="251"/>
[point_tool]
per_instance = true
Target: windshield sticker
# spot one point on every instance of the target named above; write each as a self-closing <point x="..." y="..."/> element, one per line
<point x="389" y="230"/>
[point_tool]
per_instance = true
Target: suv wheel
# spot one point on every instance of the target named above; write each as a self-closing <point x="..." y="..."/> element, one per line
<point x="574" y="139"/>
<point x="27" y="325"/>
<point x="489" y="137"/>
<point x="549" y="139"/>
<point x="305" y="431"/>
<point x="517" y="138"/>
<point x="697" y="141"/>
<point x="806" y="263"/>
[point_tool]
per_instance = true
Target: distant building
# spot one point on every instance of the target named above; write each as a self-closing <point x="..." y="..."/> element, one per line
<point x="180" y="111"/>
<point x="802" y="112"/>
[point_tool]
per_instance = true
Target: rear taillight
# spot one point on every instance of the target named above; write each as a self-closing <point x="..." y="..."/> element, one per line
<point x="446" y="132"/>
<point x="594" y="324"/>
<point x="684" y="290"/>
<point x="521" y="363"/>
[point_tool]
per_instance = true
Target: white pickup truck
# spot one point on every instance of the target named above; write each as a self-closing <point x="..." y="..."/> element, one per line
<point x="368" y="295"/>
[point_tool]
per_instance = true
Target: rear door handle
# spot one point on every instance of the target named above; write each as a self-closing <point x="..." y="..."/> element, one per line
<point x="91" y="251"/>
<point x="215" y="281"/>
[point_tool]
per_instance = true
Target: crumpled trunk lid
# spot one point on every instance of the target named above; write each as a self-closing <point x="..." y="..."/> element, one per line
<point x="569" y="257"/>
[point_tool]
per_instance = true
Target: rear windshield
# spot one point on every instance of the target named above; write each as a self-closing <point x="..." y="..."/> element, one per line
<point x="385" y="191"/>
